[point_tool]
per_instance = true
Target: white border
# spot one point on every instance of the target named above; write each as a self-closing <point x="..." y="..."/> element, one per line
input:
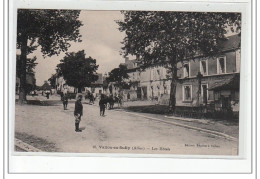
<point x="50" y="163"/>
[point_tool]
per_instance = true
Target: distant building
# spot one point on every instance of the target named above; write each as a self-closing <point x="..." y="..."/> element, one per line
<point x="61" y="86"/>
<point x="97" y="86"/>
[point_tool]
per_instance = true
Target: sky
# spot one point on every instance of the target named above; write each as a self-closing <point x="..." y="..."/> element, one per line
<point x="100" y="40"/>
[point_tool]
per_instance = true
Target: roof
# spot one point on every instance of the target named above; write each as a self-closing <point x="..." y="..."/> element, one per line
<point x="232" y="82"/>
<point x="231" y="42"/>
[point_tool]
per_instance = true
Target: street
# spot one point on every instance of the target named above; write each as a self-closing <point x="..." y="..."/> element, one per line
<point x="117" y="132"/>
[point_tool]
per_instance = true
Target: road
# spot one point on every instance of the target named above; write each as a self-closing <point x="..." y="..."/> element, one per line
<point x="117" y="132"/>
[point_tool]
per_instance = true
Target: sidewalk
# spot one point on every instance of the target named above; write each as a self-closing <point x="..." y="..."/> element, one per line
<point x="204" y="125"/>
<point x="230" y="128"/>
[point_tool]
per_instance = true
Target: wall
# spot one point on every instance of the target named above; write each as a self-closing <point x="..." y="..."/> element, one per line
<point x="209" y="80"/>
<point x="230" y="62"/>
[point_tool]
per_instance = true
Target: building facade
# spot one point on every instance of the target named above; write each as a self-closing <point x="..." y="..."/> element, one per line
<point x="215" y="81"/>
<point x="201" y="81"/>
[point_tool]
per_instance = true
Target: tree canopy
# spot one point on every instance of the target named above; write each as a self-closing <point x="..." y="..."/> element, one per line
<point x="52" y="80"/>
<point x="51" y="30"/>
<point x="164" y="38"/>
<point x="118" y="75"/>
<point x="160" y="38"/>
<point x="30" y="65"/>
<point x="77" y="70"/>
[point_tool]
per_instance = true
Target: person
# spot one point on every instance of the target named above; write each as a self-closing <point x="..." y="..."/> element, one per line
<point x="47" y="94"/>
<point x="102" y="105"/>
<point x="65" y="101"/>
<point x="91" y="98"/>
<point x="78" y="112"/>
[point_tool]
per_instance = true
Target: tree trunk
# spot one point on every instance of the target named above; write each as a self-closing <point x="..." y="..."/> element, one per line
<point x="23" y="58"/>
<point x="172" y="102"/>
<point x="80" y="90"/>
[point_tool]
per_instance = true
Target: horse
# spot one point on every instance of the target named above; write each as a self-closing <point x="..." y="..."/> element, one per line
<point x="119" y="100"/>
<point x="111" y="100"/>
<point x="91" y="98"/>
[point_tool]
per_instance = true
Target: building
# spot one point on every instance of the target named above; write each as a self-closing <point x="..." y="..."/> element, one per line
<point x="201" y="81"/>
<point x="148" y="84"/>
<point x="61" y="86"/>
<point x="97" y="87"/>
<point x="134" y="73"/>
<point x="218" y="83"/>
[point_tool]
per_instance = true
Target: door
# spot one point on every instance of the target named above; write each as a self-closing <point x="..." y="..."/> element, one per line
<point x="144" y="89"/>
<point x="139" y="93"/>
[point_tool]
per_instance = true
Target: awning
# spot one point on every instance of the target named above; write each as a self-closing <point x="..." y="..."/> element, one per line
<point x="231" y="83"/>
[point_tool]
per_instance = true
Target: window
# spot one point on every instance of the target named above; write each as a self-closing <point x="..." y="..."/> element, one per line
<point x="187" y="93"/>
<point x="204" y="67"/>
<point x="221" y="65"/>
<point x="186" y="70"/>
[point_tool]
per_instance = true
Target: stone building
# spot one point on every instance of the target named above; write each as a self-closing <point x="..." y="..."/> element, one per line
<point x="218" y="83"/>
<point x="201" y="81"/>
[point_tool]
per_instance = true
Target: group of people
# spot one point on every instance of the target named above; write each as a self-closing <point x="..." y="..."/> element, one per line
<point x="78" y="110"/>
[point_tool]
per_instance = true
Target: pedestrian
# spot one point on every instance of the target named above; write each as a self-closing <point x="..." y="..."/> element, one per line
<point x="78" y="112"/>
<point x="102" y="105"/>
<point x="65" y="101"/>
<point x="47" y="94"/>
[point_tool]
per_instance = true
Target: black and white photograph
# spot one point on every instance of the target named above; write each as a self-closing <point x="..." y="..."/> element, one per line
<point x="127" y="82"/>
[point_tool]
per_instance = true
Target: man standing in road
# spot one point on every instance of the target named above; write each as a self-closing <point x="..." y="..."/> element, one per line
<point x="78" y="112"/>
<point x="65" y="101"/>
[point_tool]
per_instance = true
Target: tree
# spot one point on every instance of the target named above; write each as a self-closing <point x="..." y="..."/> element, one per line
<point x="52" y="80"/>
<point x="30" y="74"/>
<point x="160" y="38"/>
<point x="52" y="30"/>
<point x="77" y="70"/>
<point x="118" y="75"/>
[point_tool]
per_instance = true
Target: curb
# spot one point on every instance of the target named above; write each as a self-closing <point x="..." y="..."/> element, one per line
<point x="214" y="133"/>
<point x="25" y="146"/>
